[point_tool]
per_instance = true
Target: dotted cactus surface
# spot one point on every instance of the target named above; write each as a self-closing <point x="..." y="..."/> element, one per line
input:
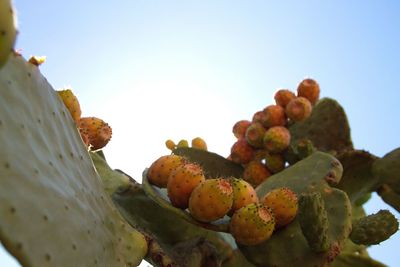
<point x="53" y="209"/>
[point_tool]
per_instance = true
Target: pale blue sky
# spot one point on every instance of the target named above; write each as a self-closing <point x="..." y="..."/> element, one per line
<point x="180" y="69"/>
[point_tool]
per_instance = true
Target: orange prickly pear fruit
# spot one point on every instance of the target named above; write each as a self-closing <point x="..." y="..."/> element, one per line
<point x="243" y="193"/>
<point x="258" y="116"/>
<point x="181" y="183"/>
<point x="72" y="103"/>
<point x="211" y="200"/>
<point x="239" y="128"/>
<point x="98" y="131"/>
<point x="160" y="170"/>
<point x="273" y="115"/>
<point x="284" y="205"/>
<point x="283" y="97"/>
<point x="277" y="139"/>
<point x="309" y="89"/>
<point x="170" y="144"/>
<point x="199" y="143"/>
<point x="255" y="173"/>
<point x="241" y="152"/>
<point x="299" y="109"/>
<point x="252" y="224"/>
<point x="255" y="135"/>
<point x="274" y="162"/>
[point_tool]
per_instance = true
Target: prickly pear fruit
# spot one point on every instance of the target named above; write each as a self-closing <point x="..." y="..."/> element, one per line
<point x="313" y="221"/>
<point x="298" y="109"/>
<point x="274" y="162"/>
<point x="181" y="183"/>
<point x="374" y="228"/>
<point x="183" y="143"/>
<point x="309" y="89"/>
<point x="199" y="143"/>
<point x="37" y="60"/>
<point x="258" y="116"/>
<point x="277" y="139"/>
<point x="255" y="135"/>
<point x="211" y="200"/>
<point x="8" y="31"/>
<point x="170" y="144"/>
<point x="284" y="205"/>
<point x="239" y="128"/>
<point x="85" y="137"/>
<point x="72" y="103"/>
<point x="241" y="152"/>
<point x="283" y="96"/>
<point x="160" y="169"/>
<point x="273" y="115"/>
<point x="243" y="193"/>
<point x="99" y="132"/>
<point x="252" y="224"/>
<point x="255" y="173"/>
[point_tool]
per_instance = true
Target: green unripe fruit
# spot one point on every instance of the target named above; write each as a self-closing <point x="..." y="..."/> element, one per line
<point x="274" y="162"/>
<point x="277" y="139"/>
<point x="8" y="30"/>
<point x="375" y="228"/>
<point x="183" y="143"/>
<point x="298" y="109"/>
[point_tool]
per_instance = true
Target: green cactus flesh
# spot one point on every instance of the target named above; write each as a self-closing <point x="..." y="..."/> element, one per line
<point x="388" y="169"/>
<point x="375" y="228"/>
<point x="313" y="221"/>
<point x="54" y="211"/>
<point x="305" y="176"/>
<point x="8" y="31"/>
<point x="327" y="127"/>
<point x="389" y="196"/>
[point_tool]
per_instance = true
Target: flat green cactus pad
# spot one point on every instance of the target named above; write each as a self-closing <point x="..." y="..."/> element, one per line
<point x="327" y="127"/>
<point x="288" y="246"/>
<point x="388" y="169"/>
<point x="54" y="211"/>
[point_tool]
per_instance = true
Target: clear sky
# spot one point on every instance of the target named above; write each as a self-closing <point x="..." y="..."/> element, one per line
<point x="179" y="69"/>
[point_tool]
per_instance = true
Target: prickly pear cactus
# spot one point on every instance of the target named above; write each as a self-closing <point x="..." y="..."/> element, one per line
<point x="54" y="210"/>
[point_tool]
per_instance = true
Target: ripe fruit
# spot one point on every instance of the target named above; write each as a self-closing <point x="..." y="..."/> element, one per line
<point x="309" y="89"/>
<point x="241" y="152"/>
<point x="258" y="116"/>
<point x="252" y="224"/>
<point x="283" y="203"/>
<point x="72" y="103"/>
<point x="277" y="139"/>
<point x="160" y="169"/>
<point x="37" y="60"/>
<point x="199" y="143"/>
<point x="274" y="162"/>
<point x="8" y="31"/>
<point x="283" y="97"/>
<point x="181" y="183"/>
<point x="243" y="193"/>
<point x="255" y="173"/>
<point x="255" y="135"/>
<point x="274" y="115"/>
<point x="211" y="200"/>
<point x="299" y="109"/>
<point x="183" y="143"/>
<point x="98" y="131"/>
<point x="240" y="127"/>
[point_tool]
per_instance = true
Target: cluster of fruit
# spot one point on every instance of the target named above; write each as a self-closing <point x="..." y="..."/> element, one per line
<point x="197" y="142"/>
<point x="253" y="220"/>
<point x="263" y="140"/>
<point x="95" y="132"/>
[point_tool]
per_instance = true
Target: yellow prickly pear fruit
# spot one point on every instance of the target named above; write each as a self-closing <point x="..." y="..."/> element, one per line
<point x="199" y="143"/>
<point x="243" y="193"/>
<point x="72" y="103"/>
<point x="183" y="143"/>
<point x="161" y="169"/>
<point x="170" y="144"/>
<point x="36" y="60"/>
<point x="255" y="172"/>
<point x="8" y="30"/>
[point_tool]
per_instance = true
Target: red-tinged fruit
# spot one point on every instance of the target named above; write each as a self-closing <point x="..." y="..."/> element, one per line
<point x="99" y="132"/>
<point x="72" y="103"/>
<point x="211" y="200"/>
<point x="277" y="139"/>
<point x="299" y="109"/>
<point x="252" y="224"/>
<point x="283" y="97"/>
<point x="274" y="162"/>
<point x="160" y="170"/>
<point x="273" y="115"/>
<point x="258" y="117"/>
<point x="181" y="183"/>
<point x="243" y="194"/>
<point x="255" y="135"/>
<point x="255" y="173"/>
<point x="199" y="143"/>
<point x="240" y="127"/>
<point x="241" y="152"/>
<point x="309" y="89"/>
<point x="284" y="205"/>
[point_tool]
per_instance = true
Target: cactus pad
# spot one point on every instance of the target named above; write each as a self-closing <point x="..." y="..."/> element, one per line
<point x="54" y="209"/>
<point x="388" y="169"/>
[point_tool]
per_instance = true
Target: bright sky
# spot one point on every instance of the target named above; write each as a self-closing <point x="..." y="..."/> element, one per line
<point x="179" y="69"/>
